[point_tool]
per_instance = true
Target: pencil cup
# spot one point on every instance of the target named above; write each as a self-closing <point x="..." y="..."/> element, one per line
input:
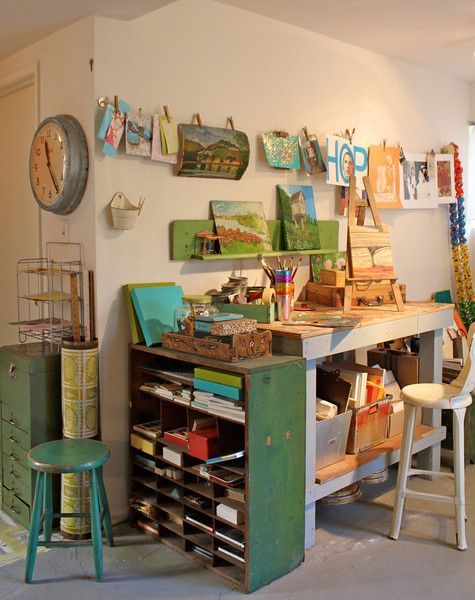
<point x="285" y="296"/>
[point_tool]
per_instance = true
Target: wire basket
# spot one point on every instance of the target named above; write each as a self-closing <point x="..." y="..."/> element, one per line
<point x="124" y="213"/>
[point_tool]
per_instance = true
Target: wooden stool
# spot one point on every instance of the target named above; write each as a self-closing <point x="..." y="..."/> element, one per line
<point x="455" y="397"/>
<point x="68" y="456"/>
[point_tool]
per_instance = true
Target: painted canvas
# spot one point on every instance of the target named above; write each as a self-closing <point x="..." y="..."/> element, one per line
<point x="312" y="158"/>
<point x="331" y="260"/>
<point x="445" y="178"/>
<point x="417" y="188"/>
<point x="299" y="216"/>
<point x="138" y="134"/>
<point x="370" y="252"/>
<point x="384" y="176"/>
<point x="157" y="150"/>
<point x="241" y="226"/>
<point x="345" y="158"/>
<point x="212" y="152"/>
<point x="282" y="149"/>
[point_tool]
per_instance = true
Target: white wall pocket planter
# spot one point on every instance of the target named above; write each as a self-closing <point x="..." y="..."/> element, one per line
<point x="124" y="213"/>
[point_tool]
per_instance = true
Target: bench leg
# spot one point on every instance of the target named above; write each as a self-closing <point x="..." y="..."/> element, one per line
<point x="96" y="529"/>
<point x="105" y="507"/>
<point x="35" y="525"/>
<point x="47" y="507"/>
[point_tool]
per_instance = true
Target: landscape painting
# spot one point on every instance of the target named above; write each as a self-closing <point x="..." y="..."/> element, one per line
<point x="212" y="152"/>
<point x="299" y="216"/>
<point x="241" y="227"/>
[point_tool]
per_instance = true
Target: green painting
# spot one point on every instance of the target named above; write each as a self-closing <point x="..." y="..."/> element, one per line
<point x="331" y="260"/>
<point x="299" y="217"/>
<point x="212" y="152"/>
<point x="241" y="227"/>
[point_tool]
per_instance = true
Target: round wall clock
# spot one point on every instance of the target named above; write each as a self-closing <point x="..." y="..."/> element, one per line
<point x="58" y="164"/>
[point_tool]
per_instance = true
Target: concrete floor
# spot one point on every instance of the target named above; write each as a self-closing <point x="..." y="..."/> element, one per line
<point x="353" y="559"/>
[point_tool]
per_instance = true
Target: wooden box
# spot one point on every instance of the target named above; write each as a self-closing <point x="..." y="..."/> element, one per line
<point x="332" y="277"/>
<point x="143" y="444"/>
<point x="256" y="344"/>
<point x="330" y="295"/>
<point x="203" y="443"/>
<point x="262" y="313"/>
<point x="369" y="425"/>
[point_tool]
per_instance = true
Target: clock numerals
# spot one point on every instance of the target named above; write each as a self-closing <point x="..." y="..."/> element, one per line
<point x="48" y="133"/>
<point x="38" y="181"/>
<point x="38" y="152"/>
<point x="50" y="195"/>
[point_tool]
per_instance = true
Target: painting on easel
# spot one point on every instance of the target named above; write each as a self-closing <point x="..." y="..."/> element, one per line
<point x="371" y="256"/>
<point x="212" y="152"/>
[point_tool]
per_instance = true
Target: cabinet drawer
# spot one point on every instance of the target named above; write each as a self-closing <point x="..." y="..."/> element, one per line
<point x="14" y="384"/>
<point x="16" y="478"/>
<point x="15" y="452"/>
<point x="15" y="436"/>
<point x="15" y="417"/>
<point x="16" y="508"/>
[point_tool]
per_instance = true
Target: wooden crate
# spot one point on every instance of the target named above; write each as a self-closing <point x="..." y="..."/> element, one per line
<point x="256" y="344"/>
<point x="332" y="277"/>
<point x="331" y="295"/>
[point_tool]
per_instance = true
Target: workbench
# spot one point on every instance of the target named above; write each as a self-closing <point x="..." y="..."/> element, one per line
<point x="378" y="324"/>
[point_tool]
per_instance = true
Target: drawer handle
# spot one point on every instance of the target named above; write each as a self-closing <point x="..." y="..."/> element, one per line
<point x="12" y="371"/>
<point x="15" y="475"/>
<point x="13" y="440"/>
<point x="13" y="509"/>
<point x="13" y="421"/>
<point x="13" y="457"/>
<point x="16" y="493"/>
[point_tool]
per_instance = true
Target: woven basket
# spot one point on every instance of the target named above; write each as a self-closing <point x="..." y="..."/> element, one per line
<point x="124" y="213"/>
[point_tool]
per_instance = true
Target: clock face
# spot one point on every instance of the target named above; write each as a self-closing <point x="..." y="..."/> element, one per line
<point x="47" y="166"/>
<point x="58" y="164"/>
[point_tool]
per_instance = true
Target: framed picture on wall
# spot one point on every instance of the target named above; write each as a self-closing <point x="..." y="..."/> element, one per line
<point x="445" y="178"/>
<point x="418" y="190"/>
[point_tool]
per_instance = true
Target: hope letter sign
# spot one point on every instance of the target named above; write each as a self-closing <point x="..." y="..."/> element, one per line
<point x="344" y="159"/>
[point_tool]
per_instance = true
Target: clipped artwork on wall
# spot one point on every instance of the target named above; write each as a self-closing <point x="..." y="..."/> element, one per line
<point x="138" y="134"/>
<point x="345" y="158"/>
<point x="445" y="178"/>
<point x="311" y="154"/>
<point x="157" y="150"/>
<point x="242" y="227"/>
<point x="384" y="175"/>
<point x="417" y="189"/>
<point x="212" y="152"/>
<point x="282" y="149"/>
<point x="299" y="216"/>
<point x="112" y="126"/>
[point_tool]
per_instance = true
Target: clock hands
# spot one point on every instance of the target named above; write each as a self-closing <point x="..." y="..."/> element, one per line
<point x="48" y="164"/>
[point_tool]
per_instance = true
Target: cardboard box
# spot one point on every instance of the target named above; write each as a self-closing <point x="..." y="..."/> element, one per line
<point x="333" y="277"/>
<point x="173" y="456"/>
<point x="369" y="426"/>
<point x="143" y="444"/>
<point x="404" y="365"/>
<point x="203" y="443"/>
<point x="234" y="516"/>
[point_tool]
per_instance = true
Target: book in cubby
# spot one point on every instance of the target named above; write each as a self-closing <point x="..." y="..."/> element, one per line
<point x="213" y="445"/>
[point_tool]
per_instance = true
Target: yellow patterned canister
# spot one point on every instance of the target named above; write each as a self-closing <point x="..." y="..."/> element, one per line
<point x="75" y="499"/>
<point x="79" y="389"/>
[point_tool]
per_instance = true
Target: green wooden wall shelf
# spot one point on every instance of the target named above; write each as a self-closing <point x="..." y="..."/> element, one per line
<point x="185" y="245"/>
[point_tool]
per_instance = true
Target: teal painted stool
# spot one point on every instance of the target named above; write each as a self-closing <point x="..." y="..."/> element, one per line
<point x="68" y="456"/>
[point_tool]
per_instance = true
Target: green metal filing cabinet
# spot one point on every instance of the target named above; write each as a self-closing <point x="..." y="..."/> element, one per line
<point x="30" y="394"/>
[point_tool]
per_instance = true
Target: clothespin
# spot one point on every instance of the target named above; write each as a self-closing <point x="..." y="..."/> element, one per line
<point x="116" y="105"/>
<point x="167" y="113"/>
<point x="305" y="132"/>
<point x="384" y="144"/>
<point x="281" y="133"/>
<point x="140" y="112"/>
<point x="198" y="118"/>
<point x="231" y="122"/>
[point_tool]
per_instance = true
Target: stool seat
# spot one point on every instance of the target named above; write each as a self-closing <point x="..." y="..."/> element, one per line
<point x="436" y="395"/>
<point x="68" y="456"/>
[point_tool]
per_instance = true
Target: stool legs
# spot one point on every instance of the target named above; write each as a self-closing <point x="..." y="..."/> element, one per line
<point x="459" y="472"/>
<point x="404" y="466"/>
<point x="47" y="506"/>
<point x="34" y="528"/>
<point x="105" y="508"/>
<point x="96" y="529"/>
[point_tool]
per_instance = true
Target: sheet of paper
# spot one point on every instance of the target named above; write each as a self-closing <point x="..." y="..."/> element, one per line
<point x="169" y="135"/>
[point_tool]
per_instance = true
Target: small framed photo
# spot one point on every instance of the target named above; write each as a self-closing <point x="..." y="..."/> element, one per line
<point x="445" y="178"/>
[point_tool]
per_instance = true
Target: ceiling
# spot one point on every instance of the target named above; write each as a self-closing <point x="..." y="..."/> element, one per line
<point x="437" y="33"/>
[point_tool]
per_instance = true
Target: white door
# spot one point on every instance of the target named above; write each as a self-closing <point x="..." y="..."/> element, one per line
<point x="19" y="213"/>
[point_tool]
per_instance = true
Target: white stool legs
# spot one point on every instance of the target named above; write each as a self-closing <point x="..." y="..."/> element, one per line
<point x="404" y="466"/>
<point x="459" y="472"/>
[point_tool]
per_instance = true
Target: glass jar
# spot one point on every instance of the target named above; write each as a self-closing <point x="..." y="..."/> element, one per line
<point x="192" y="306"/>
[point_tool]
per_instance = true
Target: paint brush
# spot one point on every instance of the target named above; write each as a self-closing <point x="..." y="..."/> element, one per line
<point x="296" y="268"/>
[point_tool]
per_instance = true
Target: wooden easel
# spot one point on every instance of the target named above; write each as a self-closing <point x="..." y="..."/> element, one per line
<point x="356" y="216"/>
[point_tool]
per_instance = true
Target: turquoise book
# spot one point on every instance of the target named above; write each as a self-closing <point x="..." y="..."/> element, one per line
<point x="232" y="379"/>
<point x="218" y="388"/>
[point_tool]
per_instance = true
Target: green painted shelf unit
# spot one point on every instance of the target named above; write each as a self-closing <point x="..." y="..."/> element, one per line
<point x="273" y="437"/>
<point x="185" y="245"/>
<point x="30" y="394"/>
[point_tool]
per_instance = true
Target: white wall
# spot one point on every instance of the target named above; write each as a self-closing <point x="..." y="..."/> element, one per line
<point x="202" y="56"/>
<point x="65" y="86"/>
